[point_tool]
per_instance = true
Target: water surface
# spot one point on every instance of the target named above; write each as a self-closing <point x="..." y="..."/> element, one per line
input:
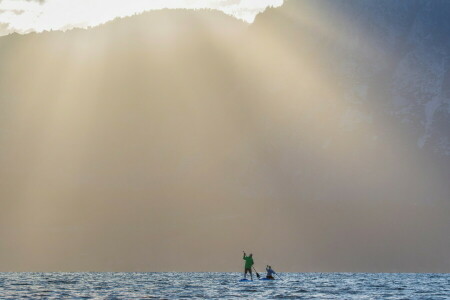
<point x="222" y="286"/>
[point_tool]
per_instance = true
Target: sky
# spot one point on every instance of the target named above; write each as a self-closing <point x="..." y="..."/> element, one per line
<point x="175" y="139"/>
<point x="24" y="16"/>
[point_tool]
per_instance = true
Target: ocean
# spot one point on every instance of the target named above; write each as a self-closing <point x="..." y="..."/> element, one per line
<point x="222" y="286"/>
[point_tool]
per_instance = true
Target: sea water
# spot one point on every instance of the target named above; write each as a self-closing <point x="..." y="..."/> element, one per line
<point x="222" y="286"/>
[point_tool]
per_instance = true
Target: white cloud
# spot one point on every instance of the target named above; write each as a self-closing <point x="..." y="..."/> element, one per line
<point x="24" y="16"/>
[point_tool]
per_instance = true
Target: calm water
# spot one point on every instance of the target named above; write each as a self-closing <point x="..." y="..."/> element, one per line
<point x="222" y="286"/>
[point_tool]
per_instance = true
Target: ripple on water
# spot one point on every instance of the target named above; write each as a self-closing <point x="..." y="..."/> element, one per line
<point x="20" y="286"/>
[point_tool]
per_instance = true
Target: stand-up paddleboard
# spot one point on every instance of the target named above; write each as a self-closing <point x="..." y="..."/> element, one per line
<point x="244" y="280"/>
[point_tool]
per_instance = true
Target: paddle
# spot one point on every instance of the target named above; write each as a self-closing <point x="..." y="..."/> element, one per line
<point x="278" y="276"/>
<point x="257" y="274"/>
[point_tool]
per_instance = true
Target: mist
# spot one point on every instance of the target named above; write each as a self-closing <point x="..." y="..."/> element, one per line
<point x="173" y="140"/>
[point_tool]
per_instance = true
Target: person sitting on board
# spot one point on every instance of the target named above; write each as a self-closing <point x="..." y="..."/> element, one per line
<point x="270" y="273"/>
<point x="248" y="265"/>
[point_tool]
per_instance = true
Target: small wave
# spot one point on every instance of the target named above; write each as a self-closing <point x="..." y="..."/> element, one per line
<point x="423" y="292"/>
<point x="62" y="281"/>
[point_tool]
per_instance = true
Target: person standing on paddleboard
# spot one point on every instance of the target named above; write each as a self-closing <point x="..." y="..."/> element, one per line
<point x="248" y="265"/>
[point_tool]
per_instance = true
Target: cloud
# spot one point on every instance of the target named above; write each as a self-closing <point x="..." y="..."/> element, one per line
<point x="25" y="16"/>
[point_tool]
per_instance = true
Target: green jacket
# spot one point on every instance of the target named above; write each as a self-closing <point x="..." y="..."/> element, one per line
<point x="248" y="262"/>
